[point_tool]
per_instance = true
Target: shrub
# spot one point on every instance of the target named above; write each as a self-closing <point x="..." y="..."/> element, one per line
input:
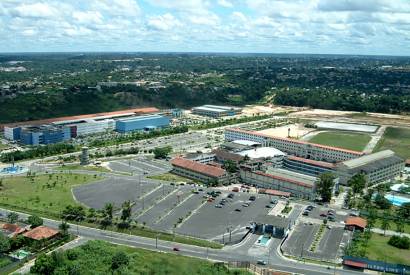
<point x="399" y="242"/>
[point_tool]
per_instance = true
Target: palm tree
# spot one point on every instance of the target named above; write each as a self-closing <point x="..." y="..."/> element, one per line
<point x="64" y="226"/>
<point x="109" y="210"/>
<point x="385" y="224"/>
<point x="126" y="211"/>
<point x="399" y="226"/>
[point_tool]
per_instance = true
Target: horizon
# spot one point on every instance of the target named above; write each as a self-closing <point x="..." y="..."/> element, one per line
<point x="369" y="27"/>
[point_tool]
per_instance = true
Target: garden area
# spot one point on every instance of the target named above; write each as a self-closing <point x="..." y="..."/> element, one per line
<point x="346" y="140"/>
<point x="396" y="139"/>
<point x="105" y="258"/>
<point x="46" y="194"/>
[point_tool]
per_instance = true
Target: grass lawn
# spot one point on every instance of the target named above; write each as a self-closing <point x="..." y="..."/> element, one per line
<point x="95" y="257"/>
<point x="169" y="177"/>
<point x="81" y="167"/>
<point x="346" y="140"/>
<point x="379" y="250"/>
<point x="396" y="139"/>
<point x="45" y="194"/>
<point x="393" y="226"/>
<point x="4" y="261"/>
<point x="3" y="146"/>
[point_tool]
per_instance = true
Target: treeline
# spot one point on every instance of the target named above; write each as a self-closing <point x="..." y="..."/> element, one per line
<point x="39" y="152"/>
<point x="346" y="100"/>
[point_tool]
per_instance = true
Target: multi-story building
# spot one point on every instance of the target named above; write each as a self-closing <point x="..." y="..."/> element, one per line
<point x="12" y="133"/>
<point x="299" y="185"/>
<point x="137" y="123"/>
<point x="197" y="171"/>
<point x="201" y="157"/>
<point x="36" y="135"/>
<point x="308" y="166"/>
<point x="216" y="111"/>
<point x="294" y="147"/>
<point x="88" y="126"/>
<point x="377" y="167"/>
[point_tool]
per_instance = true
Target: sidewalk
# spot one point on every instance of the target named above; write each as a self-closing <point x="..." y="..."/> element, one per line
<point x="389" y="232"/>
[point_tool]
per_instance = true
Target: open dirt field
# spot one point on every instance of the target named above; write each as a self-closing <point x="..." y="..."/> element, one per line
<point x="261" y="109"/>
<point x="297" y="130"/>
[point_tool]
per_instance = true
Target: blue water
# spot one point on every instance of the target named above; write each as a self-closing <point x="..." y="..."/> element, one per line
<point x="397" y="200"/>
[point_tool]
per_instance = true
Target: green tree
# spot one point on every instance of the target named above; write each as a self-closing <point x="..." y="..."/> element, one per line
<point x="43" y="265"/>
<point x="126" y="212"/>
<point x="34" y="221"/>
<point x="109" y="210"/>
<point x="230" y="166"/>
<point x="404" y="210"/>
<point x="357" y="183"/>
<point x="12" y="217"/>
<point x="162" y="152"/>
<point x="324" y="186"/>
<point x="119" y="260"/>
<point x="4" y="243"/>
<point x="399" y="225"/>
<point x="63" y="227"/>
<point x="385" y="225"/>
<point x="382" y="202"/>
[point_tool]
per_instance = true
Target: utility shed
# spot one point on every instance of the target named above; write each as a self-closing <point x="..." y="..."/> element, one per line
<point x="276" y="226"/>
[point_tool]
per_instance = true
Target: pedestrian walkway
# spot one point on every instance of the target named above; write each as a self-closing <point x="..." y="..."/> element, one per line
<point x="389" y="232"/>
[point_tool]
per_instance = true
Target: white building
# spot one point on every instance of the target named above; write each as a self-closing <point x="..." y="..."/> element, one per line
<point x="294" y="147"/>
<point x="216" y="111"/>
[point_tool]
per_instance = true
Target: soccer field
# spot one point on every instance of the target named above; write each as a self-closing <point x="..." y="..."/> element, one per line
<point x="346" y="140"/>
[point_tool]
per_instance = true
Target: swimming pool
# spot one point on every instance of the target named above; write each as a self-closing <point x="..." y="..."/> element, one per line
<point x="397" y="200"/>
<point x="263" y="240"/>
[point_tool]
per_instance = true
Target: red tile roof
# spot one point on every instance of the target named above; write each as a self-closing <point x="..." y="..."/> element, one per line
<point x="313" y="162"/>
<point x="41" y="232"/>
<point x="284" y="179"/>
<point x="356" y="221"/>
<point x="298" y="141"/>
<point x="145" y="110"/>
<point x="13" y="228"/>
<point x="354" y="264"/>
<point x="408" y="162"/>
<point x="194" y="166"/>
<point x="273" y="192"/>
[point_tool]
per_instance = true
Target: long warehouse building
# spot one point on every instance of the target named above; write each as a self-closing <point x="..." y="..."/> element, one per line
<point x="294" y="147"/>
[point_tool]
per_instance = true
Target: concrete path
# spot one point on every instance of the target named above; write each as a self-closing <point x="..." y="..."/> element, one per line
<point x="389" y="232"/>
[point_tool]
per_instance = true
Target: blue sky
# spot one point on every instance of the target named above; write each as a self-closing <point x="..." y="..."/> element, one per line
<point x="265" y="26"/>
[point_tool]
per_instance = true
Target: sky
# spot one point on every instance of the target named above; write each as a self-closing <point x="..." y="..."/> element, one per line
<point x="370" y="27"/>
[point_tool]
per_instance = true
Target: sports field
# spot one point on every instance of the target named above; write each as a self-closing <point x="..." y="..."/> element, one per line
<point x="346" y="140"/>
<point x="43" y="194"/>
<point x="396" y="139"/>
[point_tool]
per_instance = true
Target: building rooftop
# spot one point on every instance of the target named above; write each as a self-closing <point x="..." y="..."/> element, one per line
<point x="225" y="155"/>
<point x="356" y="221"/>
<point x="194" y="166"/>
<point x="145" y="117"/>
<point x="273" y="192"/>
<point x="41" y="232"/>
<point x="262" y="152"/>
<point x="246" y="142"/>
<point x="313" y="162"/>
<point x="272" y="220"/>
<point x="367" y="159"/>
<point x="133" y="111"/>
<point x="290" y="176"/>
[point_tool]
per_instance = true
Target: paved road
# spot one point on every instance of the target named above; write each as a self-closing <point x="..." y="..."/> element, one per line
<point x="276" y="260"/>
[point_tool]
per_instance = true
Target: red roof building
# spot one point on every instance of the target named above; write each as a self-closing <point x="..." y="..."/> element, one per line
<point x="355" y="223"/>
<point x="12" y="230"/>
<point x="273" y="192"/>
<point x="41" y="232"/>
<point x="198" y="171"/>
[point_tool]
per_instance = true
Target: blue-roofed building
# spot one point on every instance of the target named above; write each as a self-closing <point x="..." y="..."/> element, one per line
<point x="37" y="135"/>
<point x="141" y="123"/>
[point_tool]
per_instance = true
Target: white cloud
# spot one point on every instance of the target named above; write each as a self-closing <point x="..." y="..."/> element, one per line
<point x="88" y="17"/>
<point x="163" y="22"/>
<point x="36" y="10"/>
<point x="225" y="3"/>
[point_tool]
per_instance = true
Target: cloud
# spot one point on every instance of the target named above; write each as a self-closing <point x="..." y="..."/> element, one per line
<point x="36" y="10"/>
<point x="88" y="17"/>
<point x="163" y="22"/>
<point x="225" y="3"/>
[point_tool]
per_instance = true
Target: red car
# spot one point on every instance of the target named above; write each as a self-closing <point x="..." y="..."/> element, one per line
<point x="176" y="249"/>
<point x="323" y="215"/>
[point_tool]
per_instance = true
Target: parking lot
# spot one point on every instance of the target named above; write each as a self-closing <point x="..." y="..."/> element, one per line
<point x="141" y="165"/>
<point x="319" y="213"/>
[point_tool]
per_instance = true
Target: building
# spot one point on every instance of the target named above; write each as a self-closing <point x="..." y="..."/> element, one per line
<point x="12" y="133"/>
<point x="36" y="135"/>
<point x="88" y="126"/>
<point x="377" y="167"/>
<point x="40" y="233"/>
<point x="139" y="123"/>
<point x="275" y="226"/>
<point x="274" y="155"/>
<point x="11" y="230"/>
<point x="198" y="171"/>
<point x="294" y="147"/>
<point x="216" y="111"/>
<point x="308" y="166"/>
<point x="355" y="223"/>
<point x="201" y="157"/>
<point x="299" y="185"/>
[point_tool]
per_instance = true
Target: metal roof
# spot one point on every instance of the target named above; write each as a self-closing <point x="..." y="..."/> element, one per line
<point x="272" y="220"/>
<point x="367" y="159"/>
<point x="262" y="152"/>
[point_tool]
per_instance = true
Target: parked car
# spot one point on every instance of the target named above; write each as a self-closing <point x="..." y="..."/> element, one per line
<point x="218" y="206"/>
<point x="252" y="198"/>
<point x="176" y="249"/>
<point x="305" y="213"/>
<point x="268" y="206"/>
<point x="245" y="205"/>
<point x="261" y="262"/>
<point x="323" y="215"/>
<point x="331" y="218"/>
<point x="230" y="195"/>
<point x="238" y="210"/>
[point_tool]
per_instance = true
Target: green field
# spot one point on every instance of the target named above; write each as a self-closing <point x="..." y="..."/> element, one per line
<point x="346" y="140"/>
<point x="378" y="249"/>
<point x="396" y="139"/>
<point x="95" y="257"/>
<point x="169" y="177"/>
<point x="44" y="194"/>
<point x="3" y="146"/>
